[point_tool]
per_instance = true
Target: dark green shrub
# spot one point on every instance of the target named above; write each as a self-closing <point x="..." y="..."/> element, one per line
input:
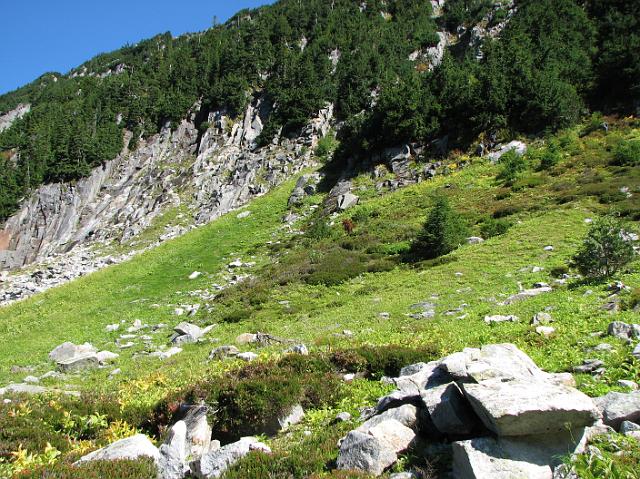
<point x="550" y="157"/>
<point x="124" y="469"/>
<point x="559" y="271"/>
<point x="605" y="250"/>
<point x="508" y="210"/>
<point x="632" y="302"/>
<point x="236" y="315"/>
<point x="492" y="227"/>
<point x="512" y="166"/>
<point x="627" y="153"/>
<point x="318" y="228"/>
<point x="389" y="360"/>
<point x="444" y="231"/>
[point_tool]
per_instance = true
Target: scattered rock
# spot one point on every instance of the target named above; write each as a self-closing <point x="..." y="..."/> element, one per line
<point x="244" y="214"/>
<point x="166" y="354"/>
<point x="541" y="319"/>
<point x="248" y="357"/>
<point x="588" y="366"/>
<point x="475" y="240"/>
<point x="342" y="417"/>
<point x="78" y="363"/>
<point x="501" y="319"/>
<point x="545" y="331"/>
<point x="628" y="384"/>
<point x="346" y="201"/>
<point x="246" y="338"/>
<point x="298" y="349"/>
<point x="67" y="351"/>
<point x="526" y="294"/>
<point x="518" y="147"/>
<point x="623" y="331"/>
<point x="223" y="352"/>
<point x="195" y="275"/>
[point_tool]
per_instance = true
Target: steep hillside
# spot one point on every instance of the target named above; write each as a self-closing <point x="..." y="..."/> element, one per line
<point x="345" y="239"/>
<point x="354" y="294"/>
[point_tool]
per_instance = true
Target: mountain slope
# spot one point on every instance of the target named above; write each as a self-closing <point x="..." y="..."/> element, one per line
<point x="319" y="296"/>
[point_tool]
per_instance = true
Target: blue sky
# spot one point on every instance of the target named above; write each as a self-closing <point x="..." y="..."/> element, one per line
<point x="39" y="36"/>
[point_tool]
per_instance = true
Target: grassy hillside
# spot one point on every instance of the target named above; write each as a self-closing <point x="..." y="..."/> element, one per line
<point x="313" y="288"/>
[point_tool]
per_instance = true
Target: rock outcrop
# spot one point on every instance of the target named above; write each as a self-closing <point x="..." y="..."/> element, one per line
<point x="504" y="416"/>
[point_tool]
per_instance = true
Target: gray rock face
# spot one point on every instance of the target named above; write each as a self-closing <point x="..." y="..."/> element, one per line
<point x="363" y="452"/>
<point x="619" y="407"/>
<point x="213" y="464"/>
<point x="520" y="408"/>
<point x="407" y="415"/>
<point x="133" y="447"/>
<point x="346" y="201"/>
<point x="7" y="119"/>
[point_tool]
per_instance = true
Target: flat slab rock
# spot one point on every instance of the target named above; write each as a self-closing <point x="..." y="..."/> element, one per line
<point x="519" y="407"/>
<point x="133" y="447"/>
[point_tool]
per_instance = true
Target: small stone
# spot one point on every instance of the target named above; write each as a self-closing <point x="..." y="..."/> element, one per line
<point x="545" y="331"/>
<point x="342" y="417"/>
<point x="623" y="383"/>
<point x="223" y="352"/>
<point x="541" y="319"/>
<point x="112" y="327"/>
<point x="548" y="248"/>
<point x="246" y="338"/>
<point x="501" y="319"/>
<point x="588" y="366"/>
<point x="244" y="214"/>
<point x="31" y="380"/>
<point x="195" y="275"/>
<point x="248" y="357"/>
<point x="474" y="240"/>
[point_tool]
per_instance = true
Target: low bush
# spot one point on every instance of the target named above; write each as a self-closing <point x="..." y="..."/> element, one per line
<point x="492" y="227"/>
<point x="627" y="153"/>
<point x="513" y="165"/>
<point x="250" y="400"/>
<point x="123" y="469"/>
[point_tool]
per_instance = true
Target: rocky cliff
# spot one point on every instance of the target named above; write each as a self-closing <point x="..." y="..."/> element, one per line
<point x="209" y="173"/>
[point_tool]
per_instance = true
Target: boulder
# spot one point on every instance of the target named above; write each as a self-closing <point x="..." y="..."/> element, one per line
<point x="621" y="330"/>
<point x="346" y="201"/>
<point x="133" y="447"/>
<point x="541" y="319"/>
<point x="223" y="352"/>
<point x="501" y="319"/>
<point x="450" y="412"/>
<point x="78" y="363"/>
<point x="363" y="452"/>
<point x="518" y="147"/>
<point x="173" y="461"/>
<point x="214" y="463"/>
<point x="407" y="415"/>
<point x="518" y="407"/>
<point x="619" y="407"/>
<point x="68" y="350"/>
<point x="291" y="417"/>
<point x="394" y="434"/>
<point x="485" y="457"/>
